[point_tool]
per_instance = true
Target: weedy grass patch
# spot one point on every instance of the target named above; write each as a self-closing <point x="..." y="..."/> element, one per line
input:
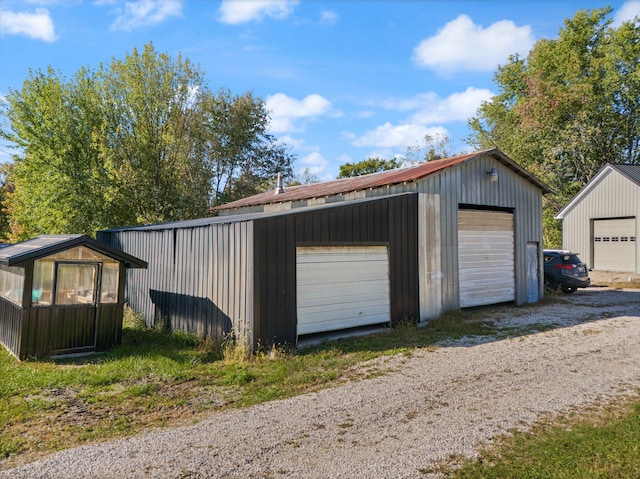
<point x="604" y="444"/>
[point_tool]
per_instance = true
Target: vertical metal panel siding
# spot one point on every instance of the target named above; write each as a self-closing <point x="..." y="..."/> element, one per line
<point x="11" y="327"/>
<point x="468" y="184"/>
<point x="390" y="220"/>
<point x="613" y="196"/>
<point x="198" y="278"/>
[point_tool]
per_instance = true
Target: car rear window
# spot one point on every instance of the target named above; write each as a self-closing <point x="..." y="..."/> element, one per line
<point x="570" y="259"/>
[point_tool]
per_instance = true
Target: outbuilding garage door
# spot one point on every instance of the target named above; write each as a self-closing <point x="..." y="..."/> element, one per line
<point x="614" y="244"/>
<point x="341" y="287"/>
<point x="486" y="258"/>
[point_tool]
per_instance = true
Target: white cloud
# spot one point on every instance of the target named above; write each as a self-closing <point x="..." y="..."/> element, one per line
<point x="314" y="163"/>
<point x="456" y="107"/>
<point x="37" y="25"/>
<point x="144" y="13"/>
<point x="462" y="45"/>
<point x="430" y="108"/>
<point x="628" y="11"/>
<point x="286" y="111"/>
<point x="328" y="17"/>
<point x="234" y="12"/>
<point x="397" y="136"/>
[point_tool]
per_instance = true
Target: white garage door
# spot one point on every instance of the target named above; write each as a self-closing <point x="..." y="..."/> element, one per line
<point x="614" y="244"/>
<point x="486" y="258"/>
<point x="341" y="287"/>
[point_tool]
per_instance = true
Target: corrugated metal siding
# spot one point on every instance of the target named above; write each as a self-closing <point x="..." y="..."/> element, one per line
<point x="614" y="196"/>
<point x="199" y="279"/>
<point x="468" y="184"/>
<point x="390" y="220"/>
<point x="11" y="327"/>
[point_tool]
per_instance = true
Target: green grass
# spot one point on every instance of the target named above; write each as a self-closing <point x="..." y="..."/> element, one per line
<point x="157" y="378"/>
<point x="599" y="445"/>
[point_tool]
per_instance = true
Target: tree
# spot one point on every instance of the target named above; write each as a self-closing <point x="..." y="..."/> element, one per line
<point x="568" y="108"/>
<point x="365" y="167"/>
<point x="433" y="147"/>
<point x="304" y="178"/>
<point x="243" y="157"/>
<point x="141" y="140"/>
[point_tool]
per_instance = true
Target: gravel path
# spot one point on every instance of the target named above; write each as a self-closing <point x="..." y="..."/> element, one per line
<point x="440" y="402"/>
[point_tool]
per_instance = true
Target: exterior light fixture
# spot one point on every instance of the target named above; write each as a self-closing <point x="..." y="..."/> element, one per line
<point x="493" y="174"/>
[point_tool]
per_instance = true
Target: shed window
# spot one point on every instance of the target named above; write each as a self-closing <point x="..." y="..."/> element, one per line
<point x="43" y="274"/>
<point x="11" y="283"/>
<point x="75" y="283"/>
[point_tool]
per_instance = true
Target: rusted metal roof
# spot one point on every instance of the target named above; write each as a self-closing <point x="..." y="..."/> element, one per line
<point x="374" y="180"/>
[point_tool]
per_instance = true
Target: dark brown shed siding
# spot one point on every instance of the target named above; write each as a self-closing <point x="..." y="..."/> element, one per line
<point x="390" y="220"/>
<point x="11" y="326"/>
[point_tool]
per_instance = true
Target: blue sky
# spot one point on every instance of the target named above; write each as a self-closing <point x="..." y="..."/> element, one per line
<point x="344" y="80"/>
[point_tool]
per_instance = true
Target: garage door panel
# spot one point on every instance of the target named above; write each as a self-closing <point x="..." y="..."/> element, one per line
<point x="368" y="273"/>
<point x="338" y="324"/>
<point x="322" y="297"/>
<point x="341" y="287"/>
<point x="614" y="244"/>
<point x="486" y="259"/>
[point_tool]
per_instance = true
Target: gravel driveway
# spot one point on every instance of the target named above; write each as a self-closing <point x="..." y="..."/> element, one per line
<point x="440" y="402"/>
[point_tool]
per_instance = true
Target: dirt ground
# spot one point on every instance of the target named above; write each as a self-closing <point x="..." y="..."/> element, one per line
<point x="614" y="278"/>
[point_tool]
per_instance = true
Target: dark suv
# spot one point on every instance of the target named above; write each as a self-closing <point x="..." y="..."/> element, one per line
<point x="564" y="270"/>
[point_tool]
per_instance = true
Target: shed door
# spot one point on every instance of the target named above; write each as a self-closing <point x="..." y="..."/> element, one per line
<point x="73" y="326"/>
<point x="486" y="260"/>
<point x="341" y="287"/>
<point x="614" y="244"/>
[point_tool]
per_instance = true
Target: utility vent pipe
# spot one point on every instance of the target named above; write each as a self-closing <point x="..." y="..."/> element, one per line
<point x="279" y="187"/>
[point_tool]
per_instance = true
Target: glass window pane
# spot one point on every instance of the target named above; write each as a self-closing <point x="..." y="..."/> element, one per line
<point x="75" y="284"/>
<point x="11" y="283"/>
<point x="42" y="282"/>
<point x="109" y="293"/>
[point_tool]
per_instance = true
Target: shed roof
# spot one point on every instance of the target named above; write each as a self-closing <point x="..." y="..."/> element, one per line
<point x="45" y="245"/>
<point x="375" y="180"/>
<point x="631" y="172"/>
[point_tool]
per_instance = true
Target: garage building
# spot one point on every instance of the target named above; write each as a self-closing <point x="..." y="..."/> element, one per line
<point x="373" y="250"/>
<point x="601" y="221"/>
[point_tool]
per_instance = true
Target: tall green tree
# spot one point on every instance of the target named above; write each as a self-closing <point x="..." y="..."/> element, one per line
<point x="243" y="157"/>
<point x="140" y="140"/>
<point x="365" y="167"/>
<point x="568" y="108"/>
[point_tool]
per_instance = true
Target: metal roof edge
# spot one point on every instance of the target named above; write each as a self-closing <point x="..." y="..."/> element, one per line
<point x="235" y="218"/>
<point x="70" y="241"/>
<point x="586" y="189"/>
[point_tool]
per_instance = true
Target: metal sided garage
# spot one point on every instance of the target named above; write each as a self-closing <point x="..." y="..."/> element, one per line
<point x="601" y="223"/>
<point x="279" y="276"/>
<point x="479" y="225"/>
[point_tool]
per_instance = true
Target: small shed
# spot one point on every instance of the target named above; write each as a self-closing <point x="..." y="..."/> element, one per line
<point x="62" y="294"/>
<point x="601" y="221"/>
<point x="402" y="244"/>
